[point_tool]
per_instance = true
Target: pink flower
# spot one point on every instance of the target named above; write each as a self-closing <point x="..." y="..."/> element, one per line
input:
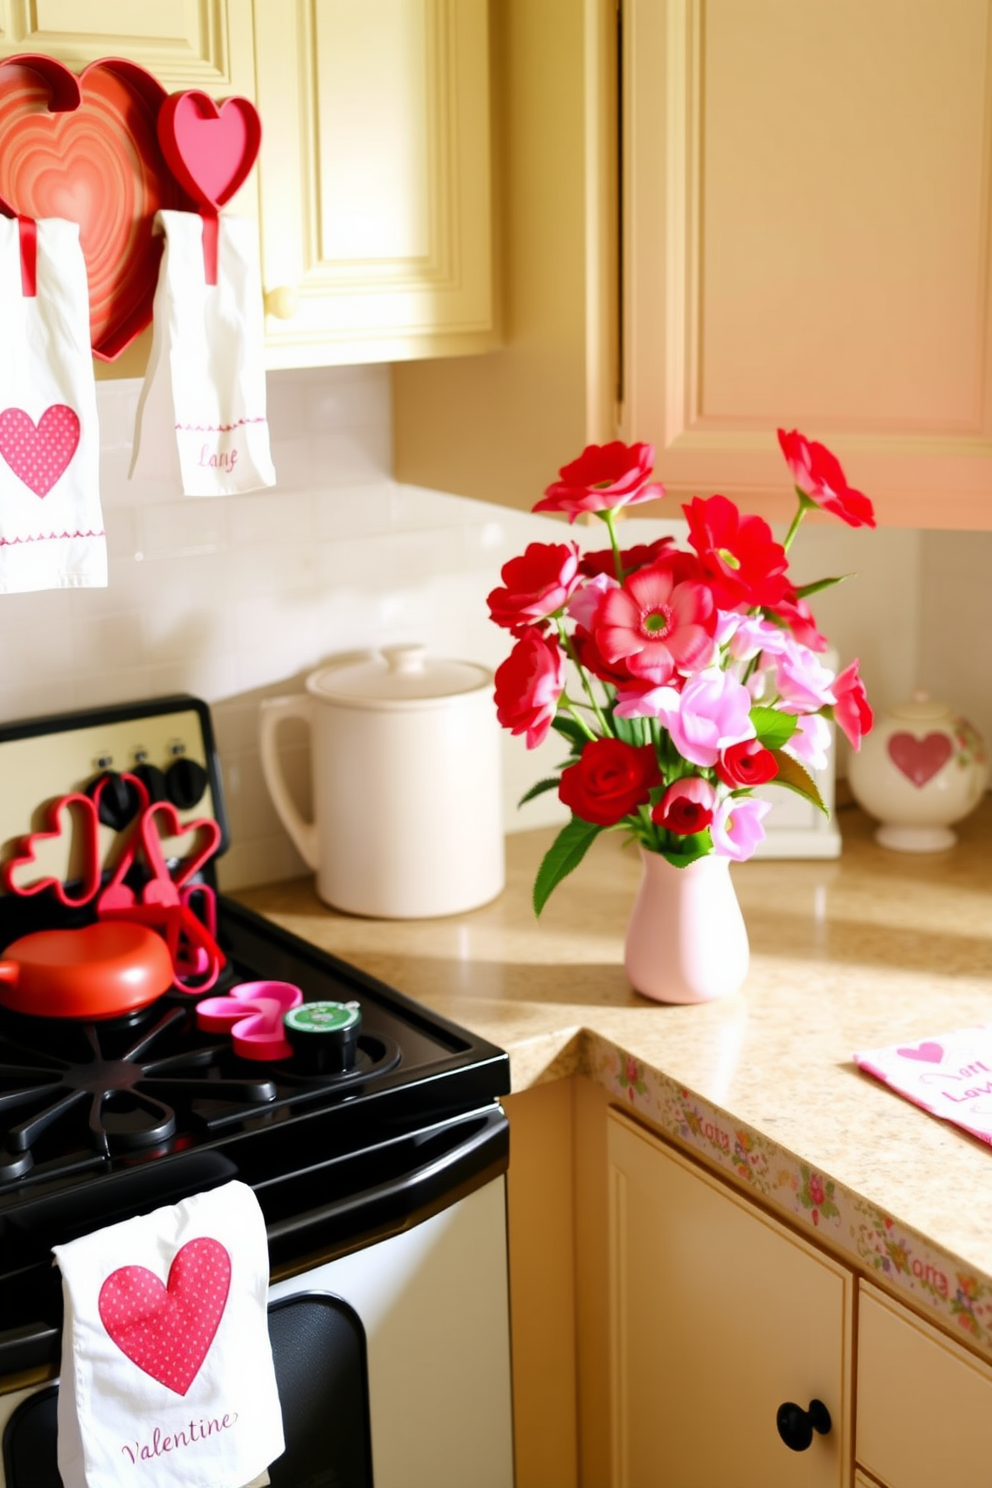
<point x="799" y="618"/>
<point x="603" y="478"/>
<point x="810" y="742"/>
<point x="529" y="684"/>
<point x="536" y="584"/>
<point x="819" y="477"/>
<point x="655" y="625"/>
<point x="736" y="826"/>
<point x="851" y="710"/>
<point x="710" y="713"/>
<point x="753" y="635"/>
<point x="584" y="604"/>
<point x="686" y="807"/>
<point x="804" y="683"/>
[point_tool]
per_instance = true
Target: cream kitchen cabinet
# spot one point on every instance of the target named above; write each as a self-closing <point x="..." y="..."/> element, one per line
<point x="374" y="179"/>
<point x="805" y="241"/>
<point x="660" y="1318"/>
<point x="719" y="1317"/>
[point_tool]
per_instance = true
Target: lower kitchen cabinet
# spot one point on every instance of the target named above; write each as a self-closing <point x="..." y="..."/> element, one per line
<point x="660" y="1318"/>
<point x="720" y="1316"/>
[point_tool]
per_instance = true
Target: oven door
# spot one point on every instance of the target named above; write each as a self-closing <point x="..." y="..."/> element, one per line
<point x="392" y="1359"/>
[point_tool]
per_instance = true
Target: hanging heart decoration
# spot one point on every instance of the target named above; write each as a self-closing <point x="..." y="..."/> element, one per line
<point x="209" y="147"/>
<point x="87" y="149"/>
<point x="39" y="453"/>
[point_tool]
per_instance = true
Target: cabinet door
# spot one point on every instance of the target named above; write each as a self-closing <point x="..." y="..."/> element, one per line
<point x="374" y="178"/>
<point x="924" y="1403"/>
<point x="719" y="1316"/>
<point x="808" y="210"/>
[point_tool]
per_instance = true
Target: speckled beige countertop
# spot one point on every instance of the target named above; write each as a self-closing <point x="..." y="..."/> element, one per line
<point x="875" y="948"/>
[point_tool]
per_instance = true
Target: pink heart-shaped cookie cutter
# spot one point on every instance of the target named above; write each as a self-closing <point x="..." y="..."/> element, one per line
<point x="252" y="1013"/>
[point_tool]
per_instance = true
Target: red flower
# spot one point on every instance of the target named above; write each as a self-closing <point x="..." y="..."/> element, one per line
<point x="798" y="616"/>
<point x="740" y="559"/>
<point x="631" y="559"/>
<point x="536" y="584"/>
<point x="529" y="684"/>
<point x="747" y="763"/>
<point x="609" y="780"/>
<point x="686" y="807"/>
<point x="590" y="657"/>
<point x="603" y="478"/>
<point x="819" y="477"/>
<point x="655" y="625"/>
<point x="816" y="1189"/>
<point x="851" y="710"/>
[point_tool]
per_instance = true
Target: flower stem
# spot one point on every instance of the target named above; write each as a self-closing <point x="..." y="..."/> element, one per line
<point x="803" y="508"/>
<point x="571" y="708"/>
<point x="607" y="517"/>
<point x="566" y="641"/>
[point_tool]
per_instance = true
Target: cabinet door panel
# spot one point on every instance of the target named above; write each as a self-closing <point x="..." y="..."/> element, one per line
<point x="809" y="208"/>
<point x="374" y="178"/>
<point x="924" y="1405"/>
<point x="720" y="1315"/>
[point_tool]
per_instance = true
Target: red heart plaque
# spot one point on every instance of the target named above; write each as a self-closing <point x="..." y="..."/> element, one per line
<point x="87" y="149"/>
<point x="167" y="1330"/>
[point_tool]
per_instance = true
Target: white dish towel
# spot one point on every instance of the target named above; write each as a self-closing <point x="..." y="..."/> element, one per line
<point x="201" y="423"/>
<point x="51" y="526"/>
<point x="167" y="1374"/>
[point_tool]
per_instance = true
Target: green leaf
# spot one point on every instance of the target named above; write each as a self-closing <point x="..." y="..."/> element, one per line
<point x="697" y="845"/>
<point x="772" y="727"/>
<point x="814" y="588"/>
<point x="551" y="783"/>
<point x="564" y="855"/>
<point x="569" y="729"/>
<point x="794" y="777"/>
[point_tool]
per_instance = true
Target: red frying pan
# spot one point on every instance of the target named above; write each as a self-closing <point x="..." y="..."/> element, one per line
<point x="100" y="971"/>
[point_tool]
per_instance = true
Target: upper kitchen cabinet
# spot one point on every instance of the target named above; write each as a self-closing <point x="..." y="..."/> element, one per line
<point x="374" y="179"/>
<point x="804" y="242"/>
<point x="497" y="427"/>
<point x="808" y="196"/>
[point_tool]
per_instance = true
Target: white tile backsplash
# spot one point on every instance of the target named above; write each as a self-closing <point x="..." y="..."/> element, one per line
<point x="238" y="597"/>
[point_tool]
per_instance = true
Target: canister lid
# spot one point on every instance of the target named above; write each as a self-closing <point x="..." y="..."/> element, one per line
<point x="396" y="677"/>
<point x="920" y="707"/>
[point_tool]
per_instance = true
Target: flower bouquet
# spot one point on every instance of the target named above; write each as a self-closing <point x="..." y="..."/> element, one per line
<point x="678" y="679"/>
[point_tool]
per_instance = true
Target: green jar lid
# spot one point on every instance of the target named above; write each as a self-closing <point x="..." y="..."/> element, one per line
<point x="322" y="1017"/>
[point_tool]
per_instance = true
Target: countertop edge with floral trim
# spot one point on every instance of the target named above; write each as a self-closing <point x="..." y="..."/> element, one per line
<point x="870" y="949"/>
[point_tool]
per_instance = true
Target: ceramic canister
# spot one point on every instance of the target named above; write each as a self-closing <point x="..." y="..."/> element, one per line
<point x="920" y="769"/>
<point x="405" y="759"/>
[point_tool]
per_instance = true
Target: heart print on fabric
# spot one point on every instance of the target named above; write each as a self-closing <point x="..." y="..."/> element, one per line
<point x="39" y="453"/>
<point x="167" y="1330"/>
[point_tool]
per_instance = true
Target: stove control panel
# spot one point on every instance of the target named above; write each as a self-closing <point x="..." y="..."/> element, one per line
<point x="167" y="742"/>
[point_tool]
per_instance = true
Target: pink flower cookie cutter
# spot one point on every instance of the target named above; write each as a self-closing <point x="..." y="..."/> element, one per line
<point x="252" y="1013"/>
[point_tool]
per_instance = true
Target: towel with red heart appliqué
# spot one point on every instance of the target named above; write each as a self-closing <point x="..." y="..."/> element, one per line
<point x="166" y="1362"/>
<point x="948" y="1074"/>
<point x="51" y="525"/>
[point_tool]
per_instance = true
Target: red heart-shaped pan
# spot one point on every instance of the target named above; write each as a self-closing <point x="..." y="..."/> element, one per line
<point x="210" y="148"/>
<point x="87" y="149"/>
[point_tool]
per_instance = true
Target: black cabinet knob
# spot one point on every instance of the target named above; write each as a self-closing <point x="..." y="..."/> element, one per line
<point x="119" y="801"/>
<point x="796" y="1426"/>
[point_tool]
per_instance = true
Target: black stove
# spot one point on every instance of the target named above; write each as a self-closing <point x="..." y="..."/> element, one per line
<point x="107" y="1118"/>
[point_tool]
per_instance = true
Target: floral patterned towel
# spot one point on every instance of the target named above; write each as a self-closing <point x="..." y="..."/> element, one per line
<point x="949" y="1075"/>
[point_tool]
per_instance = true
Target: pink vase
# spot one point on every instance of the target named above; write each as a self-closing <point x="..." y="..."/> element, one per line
<point x="686" y="940"/>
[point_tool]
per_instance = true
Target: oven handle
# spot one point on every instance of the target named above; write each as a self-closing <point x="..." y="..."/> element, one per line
<point x="475" y="1149"/>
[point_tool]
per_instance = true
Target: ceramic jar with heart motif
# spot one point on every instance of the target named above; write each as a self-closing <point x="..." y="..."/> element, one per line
<point x="920" y="769"/>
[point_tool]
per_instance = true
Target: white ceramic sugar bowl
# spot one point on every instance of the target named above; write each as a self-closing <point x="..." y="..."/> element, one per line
<point x="920" y="769"/>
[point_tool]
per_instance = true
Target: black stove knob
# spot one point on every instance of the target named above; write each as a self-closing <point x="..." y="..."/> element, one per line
<point x="324" y="1035"/>
<point x="153" y="779"/>
<point x="185" y="782"/>
<point x="119" y="800"/>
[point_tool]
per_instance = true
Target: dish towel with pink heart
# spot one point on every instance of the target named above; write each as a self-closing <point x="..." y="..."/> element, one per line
<point x="51" y="526"/>
<point x="167" y="1373"/>
<point x="201" y="423"/>
<point x="949" y="1075"/>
